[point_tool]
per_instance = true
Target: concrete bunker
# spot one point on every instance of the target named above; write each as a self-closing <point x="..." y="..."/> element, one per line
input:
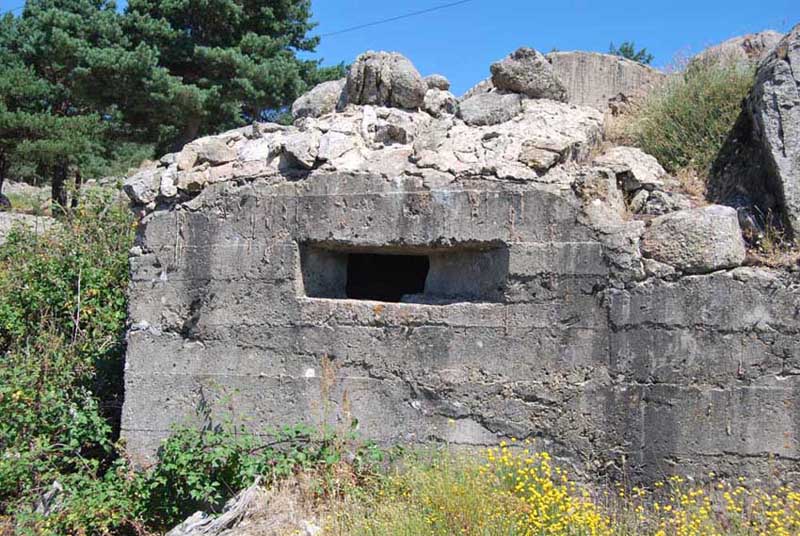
<point x="535" y="301"/>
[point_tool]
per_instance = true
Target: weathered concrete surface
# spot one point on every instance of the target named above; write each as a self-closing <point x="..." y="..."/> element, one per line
<point x="539" y="318"/>
<point x="592" y="79"/>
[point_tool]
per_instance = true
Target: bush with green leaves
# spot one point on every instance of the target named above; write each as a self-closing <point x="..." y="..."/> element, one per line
<point x="202" y="469"/>
<point x="62" y="316"/>
<point x="685" y="123"/>
<point x="63" y="313"/>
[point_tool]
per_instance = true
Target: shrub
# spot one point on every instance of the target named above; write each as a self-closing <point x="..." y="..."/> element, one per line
<point x="62" y="313"/>
<point x="62" y="316"/>
<point x="63" y="310"/>
<point x="685" y="122"/>
<point x="202" y="469"/>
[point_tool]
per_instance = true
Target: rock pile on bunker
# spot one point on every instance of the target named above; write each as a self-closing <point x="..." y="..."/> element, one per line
<point x="528" y="72"/>
<point x="385" y="79"/>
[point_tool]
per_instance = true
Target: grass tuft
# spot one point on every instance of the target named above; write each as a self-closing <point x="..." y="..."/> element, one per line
<point x="685" y="122"/>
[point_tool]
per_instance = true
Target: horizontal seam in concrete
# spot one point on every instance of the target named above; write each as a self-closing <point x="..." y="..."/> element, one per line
<point x="705" y="388"/>
<point x="657" y="326"/>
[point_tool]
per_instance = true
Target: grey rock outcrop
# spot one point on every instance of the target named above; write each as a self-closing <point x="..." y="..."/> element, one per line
<point x="593" y="79"/>
<point x="322" y="99"/>
<point x="437" y="81"/>
<point x="214" y="150"/>
<point x="528" y="72"/>
<point x="774" y="106"/>
<point x="741" y="51"/>
<point x="484" y="86"/>
<point x="35" y="195"/>
<point x="143" y="187"/>
<point x="490" y="108"/>
<point x="658" y="202"/>
<point x="696" y="241"/>
<point x="385" y="79"/>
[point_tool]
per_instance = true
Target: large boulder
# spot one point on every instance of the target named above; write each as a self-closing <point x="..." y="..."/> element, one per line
<point x="774" y="110"/>
<point x="321" y="100"/>
<point x="696" y="241"/>
<point x="528" y="72"/>
<point x="593" y="79"/>
<point x="213" y="150"/>
<point x="742" y="51"/>
<point x="490" y="108"/>
<point x="634" y="168"/>
<point x="385" y="79"/>
<point x="437" y="81"/>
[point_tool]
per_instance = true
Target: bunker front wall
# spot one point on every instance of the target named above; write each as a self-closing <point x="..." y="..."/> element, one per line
<point x="522" y="330"/>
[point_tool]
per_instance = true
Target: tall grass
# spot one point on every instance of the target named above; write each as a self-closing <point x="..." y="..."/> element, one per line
<point x="685" y="122"/>
<point x="519" y="491"/>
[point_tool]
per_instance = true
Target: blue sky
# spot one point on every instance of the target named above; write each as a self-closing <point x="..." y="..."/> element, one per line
<point x="462" y="41"/>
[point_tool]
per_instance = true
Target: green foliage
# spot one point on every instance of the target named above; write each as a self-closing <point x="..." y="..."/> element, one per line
<point x="62" y="313"/>
<point x="628" y="50"/>
<point x="229" y="61"/>
<point x="200" y="470"/>
<point x="62" y="320"/>
<point x="686" y="122"/>
<point x="52" y="122"/>
<point x="78" y="79"/>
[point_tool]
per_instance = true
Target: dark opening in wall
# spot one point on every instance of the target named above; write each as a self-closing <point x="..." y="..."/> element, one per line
<point x="435" y="276"/>
<point x="385" y="277"/>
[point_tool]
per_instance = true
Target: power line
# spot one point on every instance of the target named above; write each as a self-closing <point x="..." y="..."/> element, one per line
<point x="398" y="17"/>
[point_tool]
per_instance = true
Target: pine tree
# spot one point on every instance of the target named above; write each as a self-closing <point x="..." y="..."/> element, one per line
<point x="235" y="60"/>
<point x="42" y="123"/>
<point x="84" y="88"/>
<point x="628" y="50"/>
<point x="55" y="119"/>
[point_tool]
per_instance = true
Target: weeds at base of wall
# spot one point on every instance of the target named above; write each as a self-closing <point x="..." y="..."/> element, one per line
<point x="515" y="490"/>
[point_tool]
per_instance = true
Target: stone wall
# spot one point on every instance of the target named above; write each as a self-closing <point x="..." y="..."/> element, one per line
<point x="541" y="316"/>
